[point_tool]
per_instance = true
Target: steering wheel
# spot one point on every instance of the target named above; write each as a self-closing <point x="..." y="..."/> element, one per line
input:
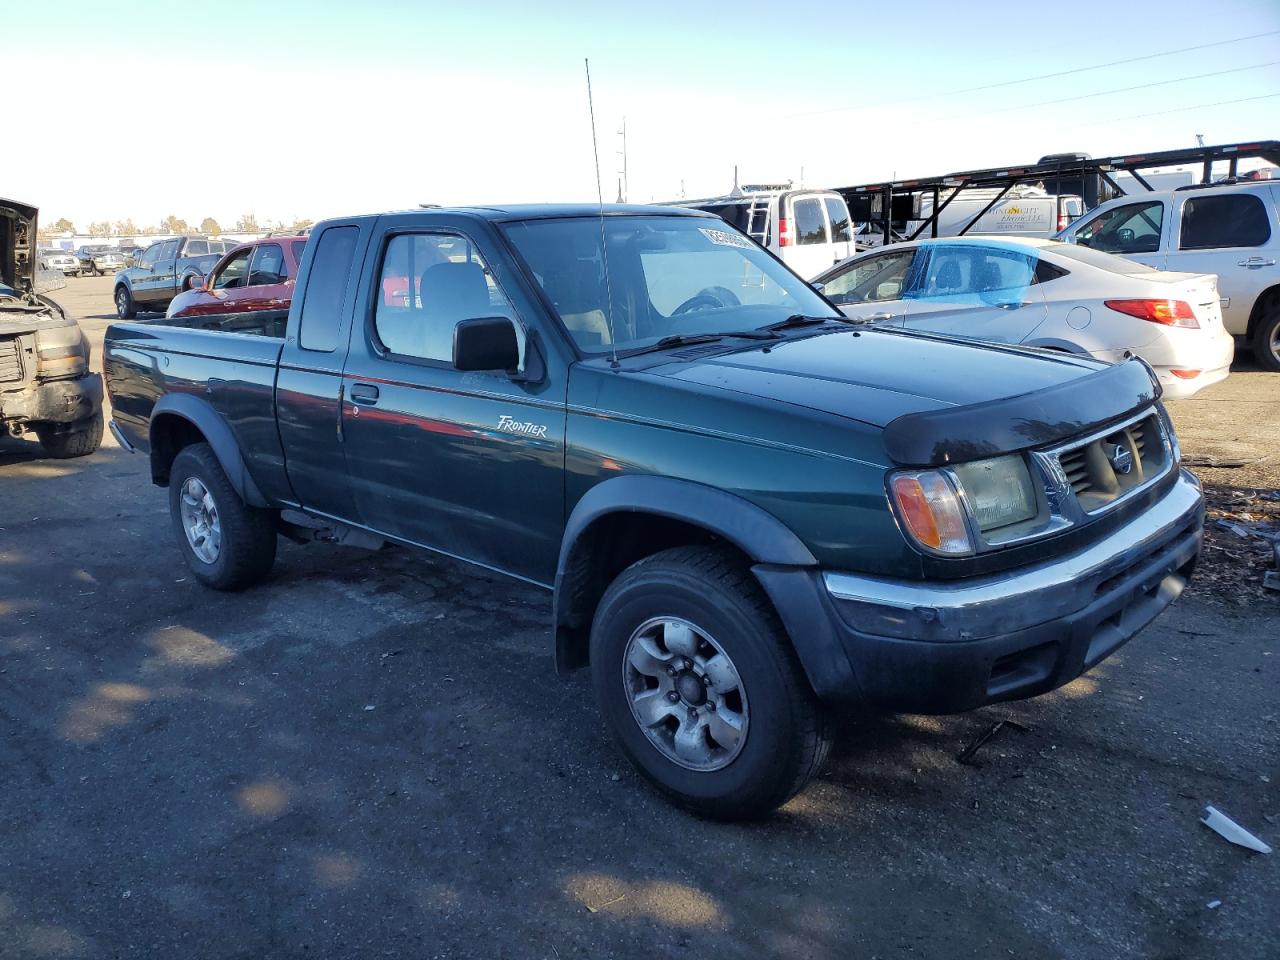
<point x="709" y="298"/>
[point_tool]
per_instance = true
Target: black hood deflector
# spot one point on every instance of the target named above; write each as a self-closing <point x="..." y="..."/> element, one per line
<point x="1012" y="424"/>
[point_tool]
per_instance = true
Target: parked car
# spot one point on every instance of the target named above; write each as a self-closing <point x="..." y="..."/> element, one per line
<point x="164" y="270"/>
<point x="99" y="259"/>
<point x="745" y="509"/>
<point x="1232" y="230"/>
<point x="130" y="252"/>
<point x="258" y="275"/>
<point x="808" y="229"/>
<point x="1041" y="293"/>
<point x="60" y="261"/>
<point x="45" y="384"/>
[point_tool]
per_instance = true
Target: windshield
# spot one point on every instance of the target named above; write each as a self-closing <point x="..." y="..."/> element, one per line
<point x="668" y="276"/>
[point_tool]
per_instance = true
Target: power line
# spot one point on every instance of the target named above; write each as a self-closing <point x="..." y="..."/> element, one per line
<point x="1197" y="106"/>
<point x="1104" y="93"/>
<point x="1047" y="76"/>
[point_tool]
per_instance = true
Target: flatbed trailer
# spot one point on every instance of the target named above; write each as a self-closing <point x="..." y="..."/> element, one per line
<point x="1092" y="179"/>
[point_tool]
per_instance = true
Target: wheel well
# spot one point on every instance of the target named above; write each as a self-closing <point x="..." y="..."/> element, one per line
<point x="169" y="434"/>
<point x="1266" y="300"/>
<point x="603" y="550"/>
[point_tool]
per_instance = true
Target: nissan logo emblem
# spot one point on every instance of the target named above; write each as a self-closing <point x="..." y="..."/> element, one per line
<point x="1121" y="459"/>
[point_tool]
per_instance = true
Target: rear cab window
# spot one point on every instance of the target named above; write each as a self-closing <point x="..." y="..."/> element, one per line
<point x="324" y="300"/>
<point x="1224" y="220"/>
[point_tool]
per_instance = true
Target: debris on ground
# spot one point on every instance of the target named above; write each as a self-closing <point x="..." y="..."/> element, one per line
<point x="1240" y="562"/>
<point x="966" y="755"/>
<point x="1231" y="831"/>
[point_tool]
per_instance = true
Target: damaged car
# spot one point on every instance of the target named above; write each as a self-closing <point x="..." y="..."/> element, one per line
<point x="45" y="384"/>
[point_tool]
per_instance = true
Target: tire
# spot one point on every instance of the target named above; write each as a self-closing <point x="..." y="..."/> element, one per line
<point x="694" y="606"/>
<point x="232" y="545"/>
<point x="126" y="309"/>
<point x="1266" y="340"/>
<point x="80" y="442"/>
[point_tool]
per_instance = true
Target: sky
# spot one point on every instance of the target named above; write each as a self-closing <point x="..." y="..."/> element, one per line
<point x="305" y="110"/>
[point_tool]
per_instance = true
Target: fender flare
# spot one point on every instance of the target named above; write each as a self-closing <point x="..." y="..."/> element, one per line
<point x="201" y="415"/>
<point x="767" y="542"/>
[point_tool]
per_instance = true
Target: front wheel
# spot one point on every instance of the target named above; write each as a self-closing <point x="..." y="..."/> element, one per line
<point x="228" y="544"/>
<point x="83" y="439"/>
<point x="700" y="687"/>
<point x="126" y="309"/>
<point x="1266" y="340"/>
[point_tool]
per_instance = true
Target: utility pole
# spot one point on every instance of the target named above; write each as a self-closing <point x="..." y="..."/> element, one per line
<point x="623" y="185"/>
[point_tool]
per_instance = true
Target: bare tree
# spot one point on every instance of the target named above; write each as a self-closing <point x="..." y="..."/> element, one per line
<point x="210" y="226"/>
<point x="49" y="231"/>
<point x="248" y="224"/>
<point x="172" y="224"/>
<point x="100" y="229"/>
<point x="300" y="225"/>
<point x="126" y="227"/>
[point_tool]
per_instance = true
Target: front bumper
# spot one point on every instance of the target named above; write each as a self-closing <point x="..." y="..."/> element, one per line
<point x="914" y="647"/>
<point x="55" y="401"/>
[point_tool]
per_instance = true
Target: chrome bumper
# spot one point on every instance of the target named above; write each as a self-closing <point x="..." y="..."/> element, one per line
<point x="1017" y="600"/>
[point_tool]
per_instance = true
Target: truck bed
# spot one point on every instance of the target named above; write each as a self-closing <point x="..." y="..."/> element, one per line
<point x="227" y="361"/>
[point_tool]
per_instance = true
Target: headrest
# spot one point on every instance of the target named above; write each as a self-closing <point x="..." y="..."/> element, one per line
<point x="949" y="275"/>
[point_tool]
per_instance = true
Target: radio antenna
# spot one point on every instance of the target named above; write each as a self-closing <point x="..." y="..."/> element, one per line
<point x="604" y="253"/>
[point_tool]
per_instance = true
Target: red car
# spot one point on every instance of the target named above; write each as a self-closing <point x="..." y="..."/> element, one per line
<point x="258" y="275"/>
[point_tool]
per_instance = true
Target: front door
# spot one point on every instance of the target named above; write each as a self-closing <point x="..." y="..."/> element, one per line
<point x="1229" y="234"/>
<point x="470" y="464"/>
<point x="872" y="288"/>
<point x="164" y="276"/>
<point x="976" y="292"/>
<point x="142" y="276"/>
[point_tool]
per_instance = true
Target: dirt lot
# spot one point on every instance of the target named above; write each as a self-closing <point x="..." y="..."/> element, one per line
<point x="371" y="756"/>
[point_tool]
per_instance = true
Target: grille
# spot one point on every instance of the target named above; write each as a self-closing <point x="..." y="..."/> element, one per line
<point x="10" y="361"/>
<point x="1103" y="469"/>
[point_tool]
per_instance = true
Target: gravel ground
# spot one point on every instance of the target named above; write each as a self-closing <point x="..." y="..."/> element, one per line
<point x="371" y="756"/>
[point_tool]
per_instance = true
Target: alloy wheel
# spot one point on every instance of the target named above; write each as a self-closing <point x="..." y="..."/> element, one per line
<point x="200" y="521"/>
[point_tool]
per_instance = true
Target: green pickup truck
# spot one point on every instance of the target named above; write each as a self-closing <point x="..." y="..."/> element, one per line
<point x="753" y="515"/>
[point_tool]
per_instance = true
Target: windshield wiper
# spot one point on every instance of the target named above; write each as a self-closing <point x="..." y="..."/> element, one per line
<point x="685" y="339"/>
<point x="801" y="320"/>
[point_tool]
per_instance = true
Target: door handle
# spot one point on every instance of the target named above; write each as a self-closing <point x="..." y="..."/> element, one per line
<point x="365" y="393"/>
<point x="1254" y="262"/>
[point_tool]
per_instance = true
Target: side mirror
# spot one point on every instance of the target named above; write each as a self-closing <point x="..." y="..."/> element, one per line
<point x="486" y="343"/>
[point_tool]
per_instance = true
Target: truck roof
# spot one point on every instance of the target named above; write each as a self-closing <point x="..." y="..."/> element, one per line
<point x="546" y="211"/>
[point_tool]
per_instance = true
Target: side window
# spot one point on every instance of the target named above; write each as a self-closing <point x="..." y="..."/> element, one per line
<point x="233" y="274"/>
<point x="267" y="266"/>
<point x="149" y="255"/>
<point x="1225" y="220"/>
<point x="325" y="296"/>
<point x="838" y="214"/>
<point x="196" y="248"/>
<point x="429" y="282"/>
<point x="168" y="250"/>
<point x="1132" y="228"/>
<point x="975" y="274"/>
<point x="298" y="247"/>
<point x="811" y="227"/>
<point x="882" y="277"/>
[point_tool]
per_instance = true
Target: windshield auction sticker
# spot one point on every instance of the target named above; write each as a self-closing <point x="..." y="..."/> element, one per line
<point x="724" y="239"/>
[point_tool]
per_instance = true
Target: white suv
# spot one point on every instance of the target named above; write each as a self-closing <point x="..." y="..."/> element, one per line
<point x="1232" y="230"/>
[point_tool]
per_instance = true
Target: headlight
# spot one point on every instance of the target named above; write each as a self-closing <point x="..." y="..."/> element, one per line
<point x="942" y="509"/>
<point x="999" y="491"/>
<point x="61" y="352"/>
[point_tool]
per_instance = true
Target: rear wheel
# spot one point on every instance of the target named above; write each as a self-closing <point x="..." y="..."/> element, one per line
<point x="699" y="684"/>
<point x="126" y="309"/>
<point x="228" y="544"/>
<point x="1266" y="340"/>
<point x="83" y="439"/>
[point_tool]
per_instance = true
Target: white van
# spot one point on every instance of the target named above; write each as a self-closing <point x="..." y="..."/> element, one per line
<point x="1025" y="211"/>
<point x="808" y="230"/>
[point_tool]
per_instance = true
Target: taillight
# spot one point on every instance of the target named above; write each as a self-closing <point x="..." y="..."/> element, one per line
<point x="1171" y="313"/>
<point x="1185" y="374"/>
<point x="784" y="232"/>
<point x="1063" y="221"/>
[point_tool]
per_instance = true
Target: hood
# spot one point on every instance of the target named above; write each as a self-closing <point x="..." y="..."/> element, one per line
<point x="17" y="244"/>
<point x="877" y="376"/>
